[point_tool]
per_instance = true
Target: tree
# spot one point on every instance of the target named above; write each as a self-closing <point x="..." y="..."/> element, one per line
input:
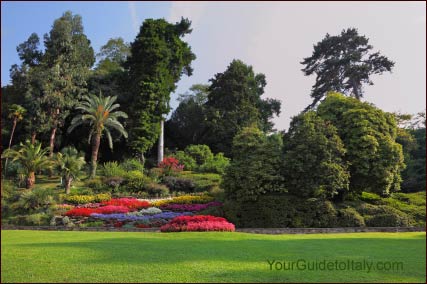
<point x="158" y="59"/>
<point x="369" y="136"/>
<point x="113" y="55"/>
<point x="70" y="163"/>
<point x="255" y="167"/>
<point x="313" y="158"/>
<point x="98" y="112"/>
<point x="31" y="157"/>
<point x="234" y="102"/>
<point x="16" y="113"/>
<point x="66" y="65"/>
<point x="343" y="64"/>
<point x="187" y="123"/>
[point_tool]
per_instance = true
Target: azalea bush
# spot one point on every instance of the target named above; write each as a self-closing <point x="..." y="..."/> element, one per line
<point x="190" y="207"/>
<point x="184" y="199"/>
<point x="170" y="166"/>
<point x="131" y="203"/>
<point x="198" y="223"/>
<point x="110" y="209"/>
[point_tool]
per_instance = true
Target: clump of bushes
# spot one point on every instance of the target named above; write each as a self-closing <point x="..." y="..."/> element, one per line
<point x="82" y="199"/>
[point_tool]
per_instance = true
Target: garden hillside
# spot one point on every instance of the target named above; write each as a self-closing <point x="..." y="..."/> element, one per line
<point x="89" y="145"/>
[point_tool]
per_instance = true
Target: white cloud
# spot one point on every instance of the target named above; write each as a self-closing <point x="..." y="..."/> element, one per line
<point x="133" y="15"/>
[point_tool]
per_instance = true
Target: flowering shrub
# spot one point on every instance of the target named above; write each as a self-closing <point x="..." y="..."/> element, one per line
<point x="148" y="211"/>
<point x="197" y="223"/>
<point x="184" y="199"/>
<point x="190" y="207"/>
<point x="131" y="203"/>
<point x="80" y="212"/>
<point x="127" y="217"/>
<point x="110" y="209"/>
<point x="170" y="165"/>
<point x="83" y="199"/>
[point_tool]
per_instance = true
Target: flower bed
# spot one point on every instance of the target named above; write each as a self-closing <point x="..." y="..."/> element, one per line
<point x="190" y="207"/>
<point x="130" y="218"/>
<point x="80" y="212"/>
<point x="131" y="203"/>
<point x="110" y="209"/>
<point x="197" y="224"/>
<point x="185" y="199"/>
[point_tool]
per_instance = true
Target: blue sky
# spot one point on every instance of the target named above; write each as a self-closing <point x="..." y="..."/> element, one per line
<point x="273" y="37"/>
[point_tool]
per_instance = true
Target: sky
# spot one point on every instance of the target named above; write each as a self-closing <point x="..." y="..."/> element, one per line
<point x="273" y="37"/>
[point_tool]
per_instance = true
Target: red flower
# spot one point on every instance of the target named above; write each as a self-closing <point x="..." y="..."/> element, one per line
<point x="80" y="212"/>
<point x="197" y="223"/>
<point x="110" y="209"/>
<point x="118" y="224"/>
<point x="131" y="203"/>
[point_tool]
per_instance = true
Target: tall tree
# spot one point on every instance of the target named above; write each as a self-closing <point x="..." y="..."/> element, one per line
<point x="99" y="113"/>
<point x="16" y="114"/>
<point x="235" y="102"/>
<point x="313" y="161"/>
<point x="343" y="64"/>
<point x="187" y="123"/>
<point x="158" y="59"/>
<point x="369" y="136"/>
<point x="67" y="61"/>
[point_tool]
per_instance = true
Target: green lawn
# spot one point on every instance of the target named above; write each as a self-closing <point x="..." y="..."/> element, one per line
<point x="43" y="256"/>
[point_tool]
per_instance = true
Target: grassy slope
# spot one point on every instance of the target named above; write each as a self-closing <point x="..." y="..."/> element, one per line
<point x="30" y="256"/>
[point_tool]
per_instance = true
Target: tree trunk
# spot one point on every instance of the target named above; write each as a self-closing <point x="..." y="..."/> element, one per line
<point x="95" y="148"/>
<point x="31" y="180"/>
<point x="10" y="143"/>
<point x="68" y="185"/>
<point x="33" y="137"/>
<point x="356" y="91"/>
<point x="52" y="146"/>
<point x="161" y="144"/>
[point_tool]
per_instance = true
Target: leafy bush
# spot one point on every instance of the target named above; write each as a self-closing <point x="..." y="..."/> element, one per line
<point x="35" y="200"/>
<point x="178" y="184"/>
<point x="200" y="153"/>
<point x="217" y="164"/>
<point x="278" y="211"/>
<point x="96" y="184"/>
<point x="36" y="219"/>
<point x="83" y="199"/>
<point x="185" y="199"/>
<point x="389" y="218"/>
<point x="157" y="190"/>
<point x="92" y="224"/>
<point x="349" y="217"/>
<point x="134" y="174"/>
<point x="186" y="160"/>
<point x="133" y="165"/>
<point x="113" y="182"/>
<point x="370" y="197"/>
<point x="136" y="183"/>
<point x="113" y="169"/>
<point x="203" y="181"/>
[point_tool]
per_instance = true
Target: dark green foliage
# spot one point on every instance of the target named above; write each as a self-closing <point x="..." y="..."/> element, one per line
<point x="234" y="102"/>
<point x="280" y="211"/>
<point x="187" y="123"/>
<point x="179" y="184"/>
<point x="200" y="153"/>
<point x="369" y="136"/>
<point x="414" y="175"/>
<point x="343" y="63"/>
<point x="156" y="190"/>
<point x="158" y="59"/>
<point x="217" y="164"/>
<point x="349" y="217"/>
<point x="186" y="160"/>
<point x="202" y="182"/>
<point x="132" y="165"/>
<point x="388" y="217"/>
<point x="254" y="170"/>
<point x="313" y="154"/>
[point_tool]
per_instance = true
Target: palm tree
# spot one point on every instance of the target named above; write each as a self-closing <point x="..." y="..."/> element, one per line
<point x="32" y="158"/>
<point x="16" y="113"/>
<point x="97" y="111"/>
<point x="70" y="163"/>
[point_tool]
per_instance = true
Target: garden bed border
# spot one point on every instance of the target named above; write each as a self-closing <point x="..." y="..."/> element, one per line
<point x="273" y="231"/>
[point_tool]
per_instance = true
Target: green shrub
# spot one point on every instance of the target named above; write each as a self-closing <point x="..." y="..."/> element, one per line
<point x="390" y="218"/>
<point x="279" y="211"/>
<point x="135" y="183"/>
<point x="83" y="199"/>
<point x="133" y="165"/>
<point x="349" y="217"/>
<point x="113" y="169"/>
<point x="157" y="190"/>
<point x="92" y="224"/>
<point x="370" y="197"/>
<point x="202" y="181"/>
<point x="96" y="185"/>
<point x="200" y="153"/>
<point x="35" y="200"/>
<point x="186" y="160"/>
<point x="217" y="164"/>
<point x="179" y="184"/>
<point x="134" y="174"/>
<point x="36" y="219"/>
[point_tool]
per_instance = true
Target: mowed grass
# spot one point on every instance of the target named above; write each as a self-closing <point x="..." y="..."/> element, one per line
<point x="55" y="256"/>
